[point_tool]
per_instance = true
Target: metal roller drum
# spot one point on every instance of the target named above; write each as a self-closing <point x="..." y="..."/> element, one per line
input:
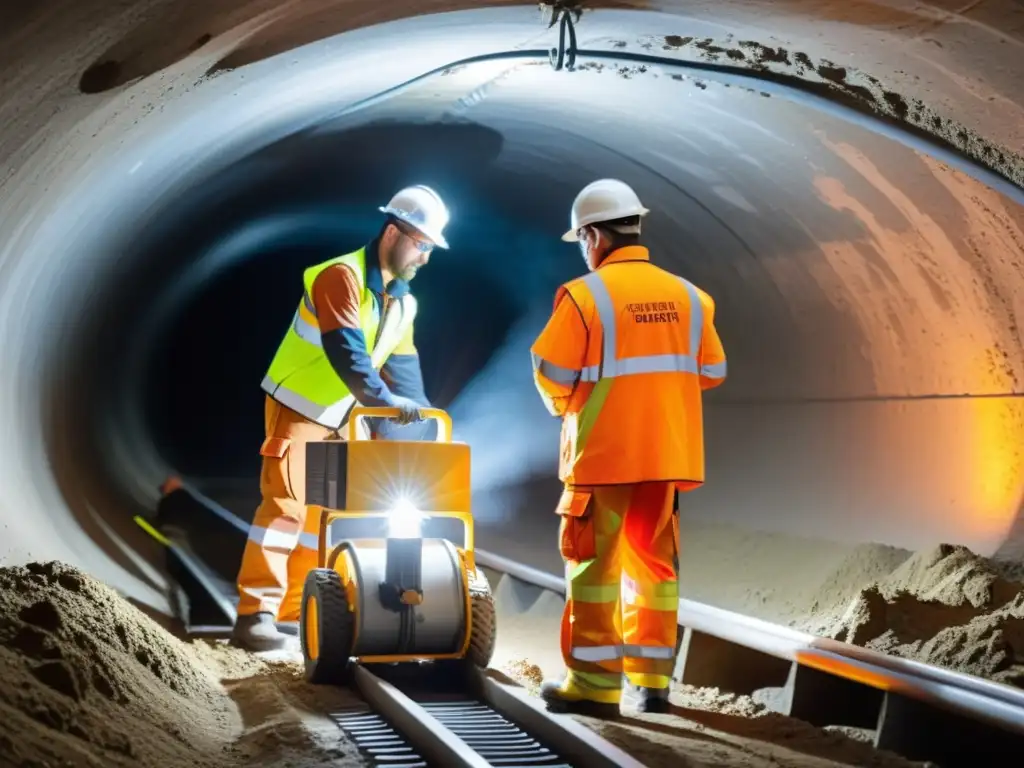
<point x="436" y="626"/>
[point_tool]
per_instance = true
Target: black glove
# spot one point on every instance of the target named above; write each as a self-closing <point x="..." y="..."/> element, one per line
<point x="409" y="410"/>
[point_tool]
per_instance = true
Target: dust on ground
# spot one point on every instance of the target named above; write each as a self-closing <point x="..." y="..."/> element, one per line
<point x="92" y="681"/>
<point x="945" y="606"/>
<point x="712" y="728"/>
<point x="89" y="680"/>
<point x="528" y="675"/>
<point x="707" y="727"/>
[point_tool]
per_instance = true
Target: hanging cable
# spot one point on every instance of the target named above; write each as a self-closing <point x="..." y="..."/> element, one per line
<point x="790" y="87"/>
<point x="562" y="56"/>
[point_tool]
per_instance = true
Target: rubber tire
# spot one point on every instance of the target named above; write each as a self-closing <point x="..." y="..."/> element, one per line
<point x="336" y="630"/>
<point x="484" y="633"/>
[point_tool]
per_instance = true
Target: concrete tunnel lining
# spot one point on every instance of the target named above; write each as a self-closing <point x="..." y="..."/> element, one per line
<point x="86" y="209"/>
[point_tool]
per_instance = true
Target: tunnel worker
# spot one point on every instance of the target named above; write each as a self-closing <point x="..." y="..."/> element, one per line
<point x="623" y="360"/>
<point x="350" y="341"/>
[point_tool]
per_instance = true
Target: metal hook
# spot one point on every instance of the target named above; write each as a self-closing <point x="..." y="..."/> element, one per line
<point x="559" y="55"/>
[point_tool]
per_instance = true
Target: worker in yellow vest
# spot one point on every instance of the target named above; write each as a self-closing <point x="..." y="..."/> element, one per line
<point x="623" y="361"/>
<point x="350" y="341"/>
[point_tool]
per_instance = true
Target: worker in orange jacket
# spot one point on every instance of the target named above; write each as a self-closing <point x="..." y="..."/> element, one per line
<point x="623" y="361"/>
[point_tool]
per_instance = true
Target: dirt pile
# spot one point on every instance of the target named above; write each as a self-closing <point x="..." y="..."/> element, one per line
<point x="90" y="680"/>
<point x="287" y="727"/>
<point x="946" y="606"/>
<point x="865" y="565"/>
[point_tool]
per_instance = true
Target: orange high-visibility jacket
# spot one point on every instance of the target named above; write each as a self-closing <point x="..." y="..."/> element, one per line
<point x="623" y="360"/>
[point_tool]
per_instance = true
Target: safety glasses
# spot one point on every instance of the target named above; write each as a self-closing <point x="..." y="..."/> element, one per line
<point x="421" y="245"/>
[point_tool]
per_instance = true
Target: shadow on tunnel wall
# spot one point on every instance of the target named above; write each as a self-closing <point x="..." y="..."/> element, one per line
<point x="101" y="507"/>
<point x="168" y="35"/>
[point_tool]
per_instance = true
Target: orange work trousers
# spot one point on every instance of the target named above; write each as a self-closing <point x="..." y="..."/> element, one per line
<point x="620" y="547"/>
<point x="283" y="537"/>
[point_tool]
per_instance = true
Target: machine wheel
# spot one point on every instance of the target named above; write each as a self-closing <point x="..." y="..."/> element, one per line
<point x="484" y="633"/>
<point x="326" y="628"/>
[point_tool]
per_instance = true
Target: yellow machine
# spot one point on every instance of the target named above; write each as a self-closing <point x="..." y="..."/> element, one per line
<point x="403" y="597"/>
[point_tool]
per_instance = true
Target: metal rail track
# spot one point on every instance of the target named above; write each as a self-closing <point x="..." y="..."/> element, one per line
<point x="475" y="723"/>
<point x="917" y="710"/>
<point x="412" y="720"/>
<point x="920" y="711"/>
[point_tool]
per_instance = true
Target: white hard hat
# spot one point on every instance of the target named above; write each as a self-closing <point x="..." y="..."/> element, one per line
<point x="603" y="200"/>
<point x="422" y="208"/>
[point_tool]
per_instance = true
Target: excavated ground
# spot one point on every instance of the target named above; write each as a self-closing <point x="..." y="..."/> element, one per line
<point x="90" y="680"/>
<point x="945" y="606"/>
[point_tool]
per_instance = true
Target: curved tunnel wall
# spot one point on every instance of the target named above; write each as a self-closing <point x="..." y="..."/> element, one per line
<point x="848" y="271"/>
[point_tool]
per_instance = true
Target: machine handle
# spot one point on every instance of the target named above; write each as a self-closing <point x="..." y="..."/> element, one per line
<point x="363" y="412"/>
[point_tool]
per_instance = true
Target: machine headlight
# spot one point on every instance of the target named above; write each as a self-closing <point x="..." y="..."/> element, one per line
<point x="405" y="521"/>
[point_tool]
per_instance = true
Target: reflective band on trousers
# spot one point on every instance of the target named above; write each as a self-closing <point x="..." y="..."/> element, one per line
<point x="612" y="366"/>
<point x="271" y="538"/>
<point x="662" y="596"/>
<point x="597" y="680"/>
<point x="595" y="653"/>
<point x="274" y="539"/>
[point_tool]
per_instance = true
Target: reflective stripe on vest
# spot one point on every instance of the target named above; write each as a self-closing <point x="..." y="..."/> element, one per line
<point x="391" y="329"/>
<point x="329" y="416"/>
<point x="306" y="331"/>
<point x="612" y="366"/>
<point x="555" y="373"/>
<point x="301" y="377"/>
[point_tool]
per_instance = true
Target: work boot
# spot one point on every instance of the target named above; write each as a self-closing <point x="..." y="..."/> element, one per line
<point x="570" y="697"/>
<point x="651" y="700"/>
<point x="257" y="632"/>
<point x="288" y="628"/>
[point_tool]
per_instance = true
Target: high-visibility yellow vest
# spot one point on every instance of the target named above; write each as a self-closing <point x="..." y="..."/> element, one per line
<point x="301" y="377"/>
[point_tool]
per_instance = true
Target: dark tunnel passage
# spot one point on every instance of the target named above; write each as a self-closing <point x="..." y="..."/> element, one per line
<point x="843" y="178"/>
<point x="868" y="284"/>
<point x="239" y="238"/>
<point x="298" y="203"/>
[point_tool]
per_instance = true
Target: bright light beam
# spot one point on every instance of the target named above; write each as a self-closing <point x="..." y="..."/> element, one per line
<point x="405" y="521"/>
